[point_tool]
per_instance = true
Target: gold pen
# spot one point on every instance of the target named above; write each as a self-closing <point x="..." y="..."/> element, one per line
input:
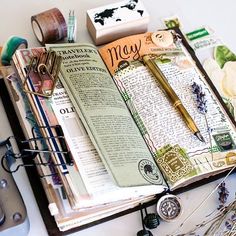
<point x="172" y="96"/>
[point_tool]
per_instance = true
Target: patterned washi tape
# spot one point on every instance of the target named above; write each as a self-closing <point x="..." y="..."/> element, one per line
<point x="9" y="48"/>
<point x="49" y="26"/>
<point x="72" y="25"/>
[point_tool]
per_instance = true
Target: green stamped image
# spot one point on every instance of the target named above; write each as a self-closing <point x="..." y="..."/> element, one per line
<point x="224" y="141"/>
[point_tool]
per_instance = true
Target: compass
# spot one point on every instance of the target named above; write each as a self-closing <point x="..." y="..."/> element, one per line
<point x="169" y="207"/>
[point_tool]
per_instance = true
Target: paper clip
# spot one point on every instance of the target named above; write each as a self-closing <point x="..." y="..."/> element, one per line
<point x="29" y="154"/>
<point x="72" y="27"/>
<point x="42" y="74"/>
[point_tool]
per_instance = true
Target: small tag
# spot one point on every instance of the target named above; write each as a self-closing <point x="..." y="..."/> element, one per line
<point x="162" y="38"/>
<point x="203" y="38"/>
<point x="197" y="34"/>
<point x="53" y="209"/>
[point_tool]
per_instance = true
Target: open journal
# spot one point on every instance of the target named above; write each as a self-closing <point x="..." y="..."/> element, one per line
<point x="129" y="137"/>
<point x="170" y="146"/>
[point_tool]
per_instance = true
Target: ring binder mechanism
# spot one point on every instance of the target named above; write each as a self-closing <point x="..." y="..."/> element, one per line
<point x="46" y="66"/>
<point x="11" y="156"/>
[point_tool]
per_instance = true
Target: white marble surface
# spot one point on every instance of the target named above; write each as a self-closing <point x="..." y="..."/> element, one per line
<point x="219" y="15"/>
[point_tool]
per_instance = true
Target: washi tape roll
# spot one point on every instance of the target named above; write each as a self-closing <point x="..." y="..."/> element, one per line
<point x="49" y="26"/>
<point x="9" y="48"/>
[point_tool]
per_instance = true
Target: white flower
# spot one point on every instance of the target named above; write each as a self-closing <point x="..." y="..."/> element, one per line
<point x="229" y="80"/>
<point x="215" y="73"/>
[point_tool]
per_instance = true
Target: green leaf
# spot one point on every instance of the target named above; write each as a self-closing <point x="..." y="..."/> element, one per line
<point x="230" y="108"/>
<point x="223" y="54"/>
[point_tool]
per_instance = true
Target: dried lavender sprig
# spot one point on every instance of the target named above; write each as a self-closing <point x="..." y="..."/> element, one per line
<point x="202" y="203"/>
<point x="201" y="98"/>
<point x="223" y="194"/>
<point x="202" y="107"/>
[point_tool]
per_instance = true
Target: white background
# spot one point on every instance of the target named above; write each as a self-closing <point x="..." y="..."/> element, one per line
<point x="219" y="15"/>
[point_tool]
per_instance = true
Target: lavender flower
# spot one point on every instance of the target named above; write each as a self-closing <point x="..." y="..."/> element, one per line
<point x="229" y="223"/>
<point x="201" y="98"/>
<point x="223" y="194"/>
